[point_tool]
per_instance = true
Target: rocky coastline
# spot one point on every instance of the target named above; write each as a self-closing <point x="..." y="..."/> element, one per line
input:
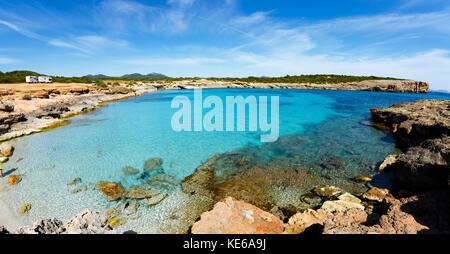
<point x="418" y="203"/>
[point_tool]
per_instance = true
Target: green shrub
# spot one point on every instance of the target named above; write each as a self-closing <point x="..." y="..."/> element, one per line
<point x="27" y="97"/>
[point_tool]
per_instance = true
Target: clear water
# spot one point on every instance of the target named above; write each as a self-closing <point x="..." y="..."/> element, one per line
<point x="96" y="146"/>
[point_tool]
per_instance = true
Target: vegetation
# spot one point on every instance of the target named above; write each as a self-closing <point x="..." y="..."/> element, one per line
<point x="19" y="77"/>
<point x="27" y="97"/>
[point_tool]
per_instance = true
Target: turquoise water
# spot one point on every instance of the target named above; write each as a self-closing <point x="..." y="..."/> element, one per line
<point x="96" y="146"/>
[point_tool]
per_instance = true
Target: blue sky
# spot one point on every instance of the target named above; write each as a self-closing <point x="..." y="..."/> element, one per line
<point x="398" y="38"/>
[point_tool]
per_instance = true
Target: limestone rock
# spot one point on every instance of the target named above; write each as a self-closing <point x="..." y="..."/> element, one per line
<point x="340" y="206"/>
<point x="113" y="223"/>
<point x="6" y="106"/>
<point x="49" y="226"/>
<point x="111" y="213"/>
<point x="349" y="198"/>
<point x="130" y="170"/>
<point x="112" y="190"/>
<point x="130" y="207"/>
<point x="327" y="191"/>
<point x="140" y="192"/>
<point x="74" y="181"/>
<point x="301" y="221"/>
<point x="14" y="179"/>
<point x="152" y="165"/>
<point x="87" y="222"/>
<point x="156" y="199"/>
<point x="391" y="159"/>
<point x="363" y="178"/>
<point x="377" y="194"/>
<point x="6" y="150"/>
<point x="237" y="217"/>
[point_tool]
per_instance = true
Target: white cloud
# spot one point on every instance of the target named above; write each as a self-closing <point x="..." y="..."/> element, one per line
<point x="171" y="61"/>
<point x="7" y="60"/>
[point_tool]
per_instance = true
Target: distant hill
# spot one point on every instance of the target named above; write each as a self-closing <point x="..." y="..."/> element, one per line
<point x="16" y="76"/>
<point x="133" y="75"/>
<point x="150" y="75"/>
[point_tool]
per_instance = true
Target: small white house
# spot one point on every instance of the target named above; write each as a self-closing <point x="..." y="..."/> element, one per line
<point x="38" y="79"/>
<point x="31" y="79"/>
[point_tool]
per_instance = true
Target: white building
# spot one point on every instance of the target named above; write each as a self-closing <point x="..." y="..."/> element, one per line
<point x="38" y="79"/>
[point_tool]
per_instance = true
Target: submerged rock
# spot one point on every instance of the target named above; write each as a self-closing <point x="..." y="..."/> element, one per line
<point x="113" y="223"/>
<point x="152" y="165"/>
<point x="156" y="199"/>
<point x="74" y="181"/>
<point x="130" y="170"/>
<point x="363" y="178"/>
<point x="14" y="179"/>
<point x="140" y="192"/>
<point x="130" y="207"/>
<point x="82" y="188"/>
<point x="162" y="181"/>
<point x="327" y="191"/>
<point x="25" y="208"/>
<point x="112" y="190"/>
<point x="111" y="213"/>
<point x="237" y="217"/>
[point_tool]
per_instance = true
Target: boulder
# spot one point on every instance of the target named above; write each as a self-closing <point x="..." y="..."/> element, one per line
<point x="237" y="217"/>
<point x="340" y="206"/>
<point x="112" y="190"/>
<point x="6" y="106"/>
<point x="298" y="223"/>
<point x="6" y="150"/>
<point x="156" y="199"/>
<point x="87" y="222"/>
<point x="377" y="194"/>
<point x="391" y="159"/>
<point x="49" y="226"/>
<point x="349" y="198"/>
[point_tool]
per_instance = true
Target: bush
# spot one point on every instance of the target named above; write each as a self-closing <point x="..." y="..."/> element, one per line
<point x="116" y="84"/>
<point x="27" y="97"/>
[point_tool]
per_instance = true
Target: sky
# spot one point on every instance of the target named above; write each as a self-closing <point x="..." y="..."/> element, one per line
<point x="228" y="38"/>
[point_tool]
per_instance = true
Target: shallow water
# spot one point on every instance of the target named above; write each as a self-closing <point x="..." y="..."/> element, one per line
<point x="328" y="139"/>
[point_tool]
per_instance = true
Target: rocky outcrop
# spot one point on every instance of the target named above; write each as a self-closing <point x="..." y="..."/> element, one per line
<point x="237" y="217"/>
<point x="6" y="106"/>
<point x="422" y="129"/>
<point x="86" y="222"/>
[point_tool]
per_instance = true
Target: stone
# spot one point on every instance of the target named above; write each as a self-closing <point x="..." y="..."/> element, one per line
<point x="48" y="226"/>
<point x="349" y="198"/>
<point x="156" y="199"/>
<point x="3" y="230"/>
<point x="130" y="207"/>
<point x="130" y="170"/>
<point x="340" y="206"/>
<point x="112" y="190"/>
<point x="6" y="106"/>
<point x="363" y="178"/>
<point x="82" y="188"/>
<point x="113" y="223"/>
<point x="391" y="159"/>
<point x="152" y="165"/>
<point x="327" y="191"/>
<point x="87" y="222"/>
<point x="162" y="181"/>
<point x="311" y="199"/>
<point x="3" y="159"/>
<point x="6" y="150"/>
<point x="111" y="213"/>
<point x="42" y="95"/>
<point x="377" y="194"/>
<point x="25" y="208"/>
<point x="140" y="192"/>
<point x="14" y="179"/>
<point x="74" y="181"/>
<point x="298" y="223"/>
<point x="237" y="217"/>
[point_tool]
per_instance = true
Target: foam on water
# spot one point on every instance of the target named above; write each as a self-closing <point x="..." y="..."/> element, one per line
<point x="96" y="146"/>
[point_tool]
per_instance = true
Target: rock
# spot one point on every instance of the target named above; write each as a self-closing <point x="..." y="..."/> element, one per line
<point x="156" y="199"/>
<point x="377" y="194"/>
<point x="82" y="188"/>
<point x="391" y="159"/>
<point x="49" y="226"/>
<point x="153" y="164"/>
<point x="298" y="223"/>
<point x="42" y="95"/>
<point x="74" y="181"/>
<point x="6" y="106"/>
<point x="349" y="198"/>
<point x="140" y="192"/>
<point x="14" y="179"/>
<point x="111" y="213"/>
<point x="3" y="230"/>
<point x="340" y="206"/>
<point x="130" y="170"/>
<point x="6" y="150"/>
<point x="130" y="207"/>
<point x="363" y="178"/>
<point x="25" y="208"/>
<point x="237" y="217"/>
<point x="162" y="181"/>
<point x="327" y="191"/>
<point x="87" y="222"/>
<point x="113" y="223"/>
<point x="111" y="190"/>
<point x="311" y="199"/>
